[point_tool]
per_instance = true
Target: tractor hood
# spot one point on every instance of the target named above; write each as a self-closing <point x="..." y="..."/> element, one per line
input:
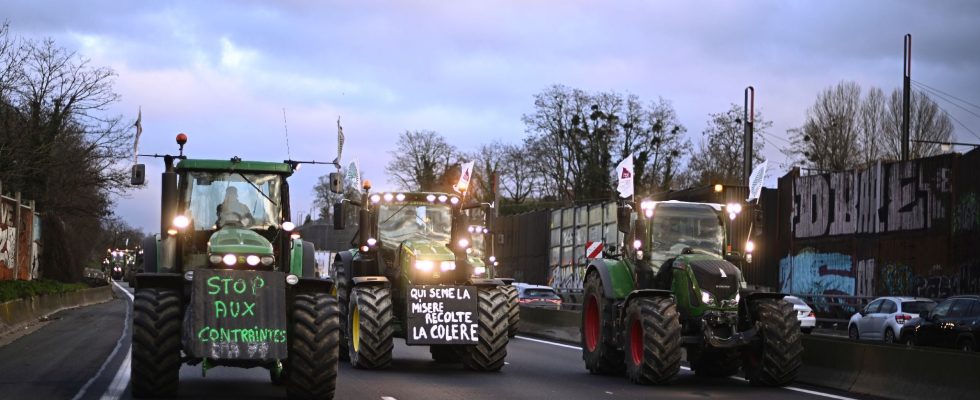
<point x="429" y="250"/>
<point x="719" y="277"/>
<point x="232" y="240"/>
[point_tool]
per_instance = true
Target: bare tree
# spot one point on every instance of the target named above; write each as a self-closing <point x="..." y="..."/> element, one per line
<point x="927" y="121"/>
<point x="520" y="176"/>
<point x="720" y="154"/>
<point x="873" y="119"/>
<point x="421" y="160"/>
<point x="829" y="139"/>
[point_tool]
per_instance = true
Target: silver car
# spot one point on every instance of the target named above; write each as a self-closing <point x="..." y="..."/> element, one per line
<point x="883" y="318"/>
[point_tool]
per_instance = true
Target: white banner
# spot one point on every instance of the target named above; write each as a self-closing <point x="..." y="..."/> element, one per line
<point x="624" y="172"/>
<point x="464" y="177"/>
<point x="755" y="180"/>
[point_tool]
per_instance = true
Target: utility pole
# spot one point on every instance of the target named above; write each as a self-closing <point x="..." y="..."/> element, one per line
<point x="906" y="96"/>
<point x="749" y="121"/>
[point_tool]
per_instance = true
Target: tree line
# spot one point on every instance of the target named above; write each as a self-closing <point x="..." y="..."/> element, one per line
<point x="574" y="138"/>
<point x="60" y="148"/>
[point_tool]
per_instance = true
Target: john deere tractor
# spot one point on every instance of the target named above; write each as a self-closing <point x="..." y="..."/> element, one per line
<point x="672" y="288"/>
<point x="228" y="282"/>
<point x="412" y="273"/>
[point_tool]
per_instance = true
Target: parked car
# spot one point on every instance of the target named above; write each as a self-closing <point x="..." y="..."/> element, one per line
<point x="537" y="296"/>
<point x="953" y="323"/>
<point x="803" y="313"/>
<point x="884" y="318"/>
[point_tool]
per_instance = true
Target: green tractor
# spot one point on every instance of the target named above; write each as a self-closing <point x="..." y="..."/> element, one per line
<point x="228" y="283"/>
<point x="674" y="288"/>
<point x="413" y="274"/>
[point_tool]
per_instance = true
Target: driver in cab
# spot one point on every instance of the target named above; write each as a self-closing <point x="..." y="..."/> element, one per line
<point x="231" y="211"/>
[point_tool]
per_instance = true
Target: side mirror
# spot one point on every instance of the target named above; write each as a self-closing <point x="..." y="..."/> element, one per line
<point x="624" y="216"/>
<point x="336" y="183"/>
<point x="759" y="222"/>
<point x="138" y="177"/>
<point x="339" y="216"/>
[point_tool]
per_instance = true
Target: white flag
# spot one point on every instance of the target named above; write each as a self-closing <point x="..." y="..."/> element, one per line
<point x="464" y="177"/>
<point x="755" y="180"/>
<point x="139" y="131"/>
<point x="624" y="172"/>
<point x="340" y="142"/>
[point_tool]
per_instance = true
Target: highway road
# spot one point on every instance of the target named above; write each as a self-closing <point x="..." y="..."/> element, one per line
<point x="83" y="354"/>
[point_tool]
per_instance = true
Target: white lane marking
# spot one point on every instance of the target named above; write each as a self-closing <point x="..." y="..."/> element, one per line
<point x="795" y="389"/>
<point x="388" y="398"/>
<point x="125" y="332"/>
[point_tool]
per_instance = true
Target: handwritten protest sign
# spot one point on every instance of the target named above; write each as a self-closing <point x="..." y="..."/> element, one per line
<point x="443" y="315"/>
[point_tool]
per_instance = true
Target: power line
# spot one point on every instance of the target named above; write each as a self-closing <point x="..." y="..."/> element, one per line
<point x="940" y="91"/>
<point x="951" y="115"/>
<point x="940" y="95"/>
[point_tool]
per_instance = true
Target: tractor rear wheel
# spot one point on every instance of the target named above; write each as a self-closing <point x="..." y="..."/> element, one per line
<point x="717" y="363"/>
<point x="369" y="327"/>
<point x="653" y="345"/>
<point x="489" y="353"/>
<point x="513" y="310"/>
<point x="314" y="336"/>
<point x="157" y="320"/>
<point x="342" y="287"/>
<point x="598" y="350"/>
<point x="444" y="353"/>
<point x="775" y="360"/>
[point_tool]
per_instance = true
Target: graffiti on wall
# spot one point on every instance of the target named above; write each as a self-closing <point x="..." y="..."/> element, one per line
<point x="966" y="217"/>
<point x="810" y="272"/>
<point x="886" y="198"/>
<point x="566" y="276"/>
<point x="8" y="237"/>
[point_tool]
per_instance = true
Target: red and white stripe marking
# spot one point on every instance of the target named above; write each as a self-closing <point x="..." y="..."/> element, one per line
<point x="593" y="249"/>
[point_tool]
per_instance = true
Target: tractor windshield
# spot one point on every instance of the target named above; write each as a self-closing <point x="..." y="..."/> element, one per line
<point x="218" y="199"/>
<point x="414" y="221"/>
<point x="675" y="227"/>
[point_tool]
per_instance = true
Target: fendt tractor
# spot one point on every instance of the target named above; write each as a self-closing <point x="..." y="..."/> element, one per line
<point x="412" y="273"/>
<point x="228" y="283"/>
<point x="674" y="287"/>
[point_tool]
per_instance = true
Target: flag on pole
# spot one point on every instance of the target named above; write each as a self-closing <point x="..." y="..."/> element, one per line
<point x="624" y="172"/>
<point x="756" y="178"/>
<point x="464" y="177"/>
<point x="139" y="131"/>
<point x="340" y="142"/>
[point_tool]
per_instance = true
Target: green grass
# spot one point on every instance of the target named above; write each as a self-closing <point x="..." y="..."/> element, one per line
<point x="10" y="290"/>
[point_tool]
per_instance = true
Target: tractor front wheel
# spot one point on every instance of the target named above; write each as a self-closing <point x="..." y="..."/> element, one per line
<point x="489" y="353"/>
<point x="314" y="337"/>
<point x="369" y="327"/>
<point x="653" y="345"/>
<point x="157" y="320"/>
<point x="776" y="358"/>
<point x="598" y="350"/>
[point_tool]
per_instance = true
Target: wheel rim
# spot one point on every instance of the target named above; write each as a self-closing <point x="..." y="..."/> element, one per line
<point x="889" y="337"/>
<point x="636" y="342"/>
<point x="853" y="333"/>
<point x="355" y="321"/>
<point x="592" y="323"/>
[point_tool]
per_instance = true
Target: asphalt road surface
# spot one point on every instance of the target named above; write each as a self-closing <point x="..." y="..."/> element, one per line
<point x="83" y="354"/>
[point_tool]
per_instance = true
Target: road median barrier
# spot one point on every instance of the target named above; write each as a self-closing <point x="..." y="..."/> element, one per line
<point x="889" y="371"/>
<point x="20" y="311"/>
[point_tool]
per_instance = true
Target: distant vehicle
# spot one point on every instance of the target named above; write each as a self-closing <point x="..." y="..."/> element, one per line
<point x="954" y="323"/>
<point x="884" y="318"/>
<point x="803" y="313"/>
<point x="537" y="296"/>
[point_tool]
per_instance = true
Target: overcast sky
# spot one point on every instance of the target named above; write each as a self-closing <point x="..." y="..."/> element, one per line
<point x="223" y="71"/>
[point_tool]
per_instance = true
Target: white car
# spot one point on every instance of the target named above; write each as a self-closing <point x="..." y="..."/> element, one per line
<point x="804" y="313"/>
<point x="883" y="318"/>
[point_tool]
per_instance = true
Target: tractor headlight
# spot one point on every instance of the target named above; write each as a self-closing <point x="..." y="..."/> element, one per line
<point x="252" y="260"/>
<point x="288" y="226"/>
<point x="267" y="260"/>
<point x="737" y="297"/>
<point x="424" y="265"/>
<point x="707" y="298"/>
<point x="479" y="270"/>
<point x="215" y="259"/>
<point x="447" y="265"/>
<point x="464" y="243"/>
<point x="181" y="221"/>
<point x="229" y="259"/>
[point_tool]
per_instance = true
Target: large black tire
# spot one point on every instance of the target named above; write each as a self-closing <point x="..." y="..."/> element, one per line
<point x="491" y="350"/>
<point x="157" y="320"/>
<point x="717" y="363"/>
<point x="444" y="353"/>
<point x="314" y="335"/>
<point x="370" y="327"/>
<point x="598" y="349"/>
<point x="653" y="341"/>
<point x="342" y="286"/>
<point x="513" y="310"/>
<point x="776" y="358"/>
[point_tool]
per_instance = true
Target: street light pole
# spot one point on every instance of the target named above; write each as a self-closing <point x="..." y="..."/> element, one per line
<point x="906" y="96"/>
<point x="749" y="120"/>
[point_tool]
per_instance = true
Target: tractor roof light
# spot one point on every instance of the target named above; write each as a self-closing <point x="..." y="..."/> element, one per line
<point x="375" y="198"/>
<point x="464" y="243"/>
<point x="637" y="244"/>
<point x="400" y="197"/>
<point x="372" y="241"/>
<point x="718" y="188"/>
<point x="288" y="226"/>
<point x="443" y="198"/>
<point x="431" y="198"/>
<point x="388" y="196"/>
<point x="749" y="246"/>
<point x="181" y="221"/>
<point x="734" y="208"/>
<point x="454" y="200"/>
